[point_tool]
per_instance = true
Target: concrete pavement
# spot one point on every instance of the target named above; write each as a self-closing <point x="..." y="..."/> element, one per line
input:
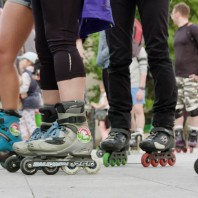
<point x="128" y="181"/>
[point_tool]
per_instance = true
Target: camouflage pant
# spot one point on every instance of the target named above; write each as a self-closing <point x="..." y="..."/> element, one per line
<point x="187" y="94"/>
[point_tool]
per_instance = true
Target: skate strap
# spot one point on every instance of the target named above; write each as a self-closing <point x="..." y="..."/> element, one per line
<point x="162" y="129"/>
<point x="5" y="137"/>
<point x="72" y="119"/>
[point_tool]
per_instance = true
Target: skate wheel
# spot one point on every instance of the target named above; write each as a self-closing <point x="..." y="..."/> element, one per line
<point x="196" y="166"/>
<point x="99" y="153"/>
<point x="12" y="164"/>
<point x="154" y="162"/>
<point x="3" y="165"/>
<point x="27" y="167"/>
<point x="71" y="169"/>
<point x="172" y="160"/>
<point x="106" y="159"/>
<point x="112" y="162"/>
<point x="163" y="162"/>
<point x="184" y="150"/>
<point x="93" y="169"/>
<point x="145" y="160"/>
<point x="118" y="162"/>
<point x="178" y="150"/>
<point x="50" y="170"/>
<point x="124" y="161"/>
<point x="191" y="149"/>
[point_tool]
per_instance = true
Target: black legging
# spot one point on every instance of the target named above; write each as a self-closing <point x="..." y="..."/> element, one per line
<point x="154" y="16"/>
<point x="56" y="26"/>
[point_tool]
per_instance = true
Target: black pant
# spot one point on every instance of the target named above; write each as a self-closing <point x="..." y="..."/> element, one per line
<point x="56" y="26"/>
<point x="154" y="17"/>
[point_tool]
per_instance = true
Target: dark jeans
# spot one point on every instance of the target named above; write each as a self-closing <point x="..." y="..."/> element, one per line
<point x="56" y="26"/>
<point x="154" y="18"/>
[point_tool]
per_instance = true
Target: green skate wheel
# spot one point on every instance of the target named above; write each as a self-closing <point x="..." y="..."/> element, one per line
<point x="124" y="161"/>
<point x="118" y="162"/>
<point x="112" y="162"/>
<point x="106" y="159"/>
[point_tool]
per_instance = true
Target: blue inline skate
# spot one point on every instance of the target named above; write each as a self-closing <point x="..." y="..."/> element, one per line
<point x="9" y="133"/>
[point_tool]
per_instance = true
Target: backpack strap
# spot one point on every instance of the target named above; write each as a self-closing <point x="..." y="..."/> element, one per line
<point x="191" y="37"/>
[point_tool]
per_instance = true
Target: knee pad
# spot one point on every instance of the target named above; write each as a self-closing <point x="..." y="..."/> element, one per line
<point x="194" y="113"/>
<point x="178" y="113"/>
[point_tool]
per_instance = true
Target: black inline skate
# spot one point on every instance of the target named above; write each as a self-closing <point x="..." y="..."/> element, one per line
<point x="192" y="139"/>
<point x="196" y="166"/>
<point x="158" y="146"/>
<point x="180" y="143"/>
<point x="114" y="149"/>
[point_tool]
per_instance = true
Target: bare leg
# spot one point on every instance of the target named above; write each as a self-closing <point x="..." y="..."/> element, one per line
<point x="15" y="26"/>
<point x="73" y="89"/>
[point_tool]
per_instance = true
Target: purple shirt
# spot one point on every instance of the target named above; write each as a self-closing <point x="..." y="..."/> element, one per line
<point x="96" y="16"/>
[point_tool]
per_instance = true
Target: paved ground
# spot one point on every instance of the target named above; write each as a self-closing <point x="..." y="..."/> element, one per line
<point x="131" y="181"/>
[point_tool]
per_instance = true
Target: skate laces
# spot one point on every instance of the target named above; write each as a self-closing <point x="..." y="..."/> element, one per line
<point x="53" y="131"/>
<point x="37" y="134"/>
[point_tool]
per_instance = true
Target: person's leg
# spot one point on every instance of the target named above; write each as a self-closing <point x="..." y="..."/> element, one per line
<point x="61" y="28"/>
<point x="61" y="34"/>
<point x="133" y="121"/>
<point x="139" y="116"/>
<point x="154" y="16"/>
<point x="119" y="40"/>
<point x="105" y="78"/>
<point x="103" y="130"/>
<point x="12" y="36"/>
<point x="191" y="104"/>
<point x="48" y="82"/>
<point x="30" y="121"/>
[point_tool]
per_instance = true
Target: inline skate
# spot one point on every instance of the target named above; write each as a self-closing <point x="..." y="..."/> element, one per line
<point x="192" y="139"/>
<point x="114" y="149"/>
<point x="9" y="133"/>
<point x="136" y="138"/>
<point x="180" y="143"/>
<point x="158" y="146"/>
<point x="12" y="163"/>
<point x="68" y="145"/>
<point x="196" y="166"/>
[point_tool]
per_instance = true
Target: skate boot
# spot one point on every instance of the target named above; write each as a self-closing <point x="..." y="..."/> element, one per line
<point x="136" y="138"/>
<point x="192" y="139"/>
<point x="67" y="145"/>
<point x="180" y="143"/>
<point x="158" y="146"/>
<point x="115" y="148"/>
<point x="49" y="115"/>
<point x="9" y="133"/>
